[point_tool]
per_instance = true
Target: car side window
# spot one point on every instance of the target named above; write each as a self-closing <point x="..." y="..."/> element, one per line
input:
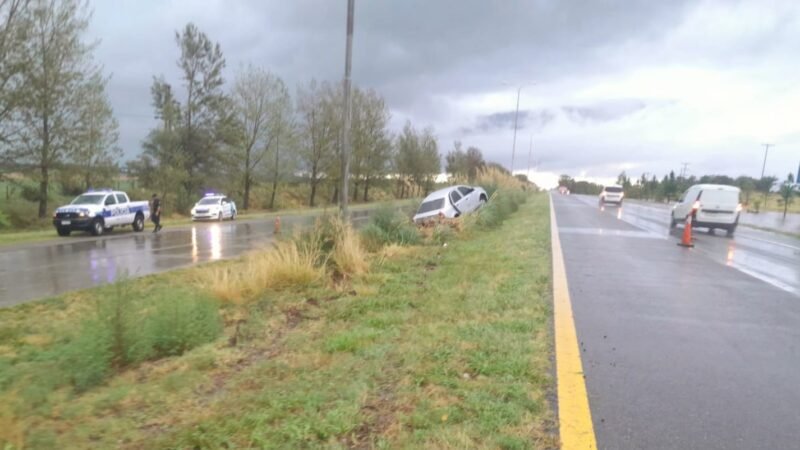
<point x="121" y="198"/>
<point x="110" y="200"/>
<point x="454" y="196"/>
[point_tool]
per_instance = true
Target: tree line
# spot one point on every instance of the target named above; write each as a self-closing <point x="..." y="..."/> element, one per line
<point x="210" y="133"/>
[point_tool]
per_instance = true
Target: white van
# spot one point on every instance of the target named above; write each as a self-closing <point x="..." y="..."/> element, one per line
<point x="712" y="206"/>
<point x="612" y="194"/>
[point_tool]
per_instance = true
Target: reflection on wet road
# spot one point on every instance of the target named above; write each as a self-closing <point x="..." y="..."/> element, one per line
<point x="770" y="257"/>
<point x="41" y="270"/>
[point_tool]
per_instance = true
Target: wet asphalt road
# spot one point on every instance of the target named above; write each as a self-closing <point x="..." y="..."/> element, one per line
<point x="683" y="349"/>
<point x="37" y="270"/>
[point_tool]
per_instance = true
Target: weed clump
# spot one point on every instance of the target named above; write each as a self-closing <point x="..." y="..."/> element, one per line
<point x="389" y="226"/>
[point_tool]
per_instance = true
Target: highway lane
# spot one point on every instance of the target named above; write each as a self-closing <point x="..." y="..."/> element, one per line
<point x="38" y="270"/>
<point x="682" y="348"/>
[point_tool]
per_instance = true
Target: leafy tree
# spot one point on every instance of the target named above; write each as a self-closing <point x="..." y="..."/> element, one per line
<point x="260" y="101"/>
<point x="464" y="164"/>
<point x="417" y="161"/>
<point x="96" y="152"/>
<point x="787" y="193"/>
<point x="747" y="186"/>
<point x="318" y="134"/>
<point x="50" y="104"/>
<point x="372" y="143"/>
<point x="15" y="29"/>
<point x="194" y="136"/>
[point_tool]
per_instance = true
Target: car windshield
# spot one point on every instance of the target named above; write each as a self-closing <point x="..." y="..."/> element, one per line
<point x="613" y="189"/>
<point x="208" y="201"/>
<point x="431" y="205"/>
<point x="89" y="199"/>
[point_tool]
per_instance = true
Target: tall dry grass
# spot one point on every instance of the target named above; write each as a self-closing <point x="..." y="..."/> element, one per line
<point x="493" y="179"/>
<point x="285" y="265"/>
<point x="348" y="255"/>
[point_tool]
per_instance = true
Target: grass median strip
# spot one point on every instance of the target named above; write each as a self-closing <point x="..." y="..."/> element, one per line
<point x="432" y="347"/>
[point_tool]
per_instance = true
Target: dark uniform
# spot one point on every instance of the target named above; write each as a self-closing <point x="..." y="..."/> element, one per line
<point x="155" y="214"/>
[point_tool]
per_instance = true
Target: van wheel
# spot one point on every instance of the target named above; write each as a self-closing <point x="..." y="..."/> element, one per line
<point x="672" y="222"/>
<point x="98" y="227"/>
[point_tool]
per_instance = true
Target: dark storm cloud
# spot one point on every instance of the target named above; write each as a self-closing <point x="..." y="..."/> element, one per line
<point x="413" y="52"/>
<point x="604" y="111"/>
<point x="536" y="120"/>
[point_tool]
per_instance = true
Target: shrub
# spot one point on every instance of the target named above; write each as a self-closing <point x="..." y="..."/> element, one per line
<point x="125" y="331"/>
<point x="87" y="359"/>
<point x="181" y="323"/>
<point x="389" y="226"/>
<point x="502" y="204"/>
<point x="5" y="222"/>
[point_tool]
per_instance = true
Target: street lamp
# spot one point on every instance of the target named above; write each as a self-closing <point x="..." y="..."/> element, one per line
<point x="516" y="116"/>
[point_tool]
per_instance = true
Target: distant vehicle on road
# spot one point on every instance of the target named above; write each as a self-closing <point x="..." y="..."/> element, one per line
<point x="612" y="194"/>
<point x="451" y="202"/>
<point x="711" y="206"/>
<point x="214" y="207"/>
<point x="563" y="190"/>
<point x="99" y="211"/>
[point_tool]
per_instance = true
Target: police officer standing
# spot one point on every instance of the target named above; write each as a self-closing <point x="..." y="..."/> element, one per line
<point x="155" y="215"/>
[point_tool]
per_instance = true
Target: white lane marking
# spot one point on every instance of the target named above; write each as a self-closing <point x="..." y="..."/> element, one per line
<point x="609" y="232"/>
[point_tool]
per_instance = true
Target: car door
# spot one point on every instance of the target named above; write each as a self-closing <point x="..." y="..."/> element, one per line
<point x="226" y="208"/>
<point x="110" y="210"/>
<point x="468" y="199"/>
<point x="124" y="216"/>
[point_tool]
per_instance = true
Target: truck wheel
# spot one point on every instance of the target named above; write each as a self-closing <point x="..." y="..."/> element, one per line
<point x="138" y="223"/>
<point x="233" y="215"/>
<point x="63" y="231"/>
<point x="97" y="227"/>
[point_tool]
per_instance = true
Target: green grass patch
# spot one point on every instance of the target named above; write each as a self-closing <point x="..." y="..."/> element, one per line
<point x="436" y="347"/>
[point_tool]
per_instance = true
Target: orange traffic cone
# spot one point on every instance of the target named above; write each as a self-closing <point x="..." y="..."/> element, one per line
<point x="687" y="233"/>
<point x="277" y="225"/>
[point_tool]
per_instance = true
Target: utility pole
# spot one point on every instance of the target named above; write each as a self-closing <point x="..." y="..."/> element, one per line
<point x="348" y="109"/>
<point x="766" y="151"/>
<point x="514" y="144"/>
<point x="684" y="170"/>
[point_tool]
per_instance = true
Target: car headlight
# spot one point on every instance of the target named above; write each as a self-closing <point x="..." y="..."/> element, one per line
<point x="82" y="214"/>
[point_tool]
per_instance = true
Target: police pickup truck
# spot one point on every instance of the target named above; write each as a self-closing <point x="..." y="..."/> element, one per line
<point x="98" y="211"/>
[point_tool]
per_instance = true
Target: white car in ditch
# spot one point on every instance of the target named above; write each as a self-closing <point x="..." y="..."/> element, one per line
<point x="451" y="202"/>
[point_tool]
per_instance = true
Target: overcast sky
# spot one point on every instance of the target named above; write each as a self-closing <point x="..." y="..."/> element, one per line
<point x="634" y="85"/>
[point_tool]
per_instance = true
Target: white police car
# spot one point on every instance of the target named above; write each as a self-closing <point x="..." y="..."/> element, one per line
<point x="214" y="207"/>
<point x="97" y="211"/>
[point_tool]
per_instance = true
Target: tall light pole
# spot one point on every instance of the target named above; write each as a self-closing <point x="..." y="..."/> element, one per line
<point x="348" y="109"/>
<point x="766" y="151"/>
<point x="514" y="144"/>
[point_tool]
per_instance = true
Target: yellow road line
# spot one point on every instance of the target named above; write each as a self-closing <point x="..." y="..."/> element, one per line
<point x="574" y="416"/>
